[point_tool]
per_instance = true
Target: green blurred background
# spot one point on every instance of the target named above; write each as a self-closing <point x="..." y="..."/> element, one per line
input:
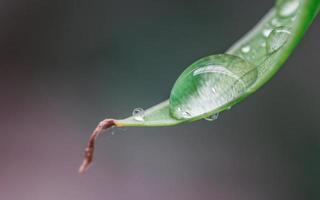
<point x="66" y="65"/>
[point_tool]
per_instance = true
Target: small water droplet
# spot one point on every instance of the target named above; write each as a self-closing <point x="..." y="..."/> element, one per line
<point x="111" y="130"/>
<point x="278" y="37"/>
<point x="212" y="117"/>
<point x="266" y="32"/>
<point x="245" y="49"/>
<point x="288" y="8"/>
<point x="263" y="44"/>
<point x="138" y="114"/>
<point x="275" y="22"/>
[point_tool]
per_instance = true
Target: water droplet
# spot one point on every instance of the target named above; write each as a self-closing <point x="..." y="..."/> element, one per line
<point x="288" y="8"/>
<point x="278" y="37"/>
<point x="245" y="49"/>
<point x="266" y="32"/>
<point x="212" y="117"/>
<point x="263" y="44"/>
<point x="275" y="22"/>
<point x="138" y="114"/>
<point x="111" y="130"/>
<point x="193" y="94"/>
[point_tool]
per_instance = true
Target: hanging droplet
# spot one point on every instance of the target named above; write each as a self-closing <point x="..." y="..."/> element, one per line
<point x="212" y="117"/>
<point x="193" y="94"/>
<point x="287" y="8"/>
<point x="112" y="131"/>
<point x="138" y="114"/>
<point x="278" y="37"/>
<point x="266" y="32"/>
<point x="245" y="49"/>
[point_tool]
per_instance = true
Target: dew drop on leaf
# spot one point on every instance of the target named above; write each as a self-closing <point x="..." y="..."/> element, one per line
<point x="138" y="114"/>
<point x="277" y="38"/>
<point x="210" y="83"/>
<point x="266" y="32"/>
<point x="245" y="49"/>
<point x="287" y="8"/>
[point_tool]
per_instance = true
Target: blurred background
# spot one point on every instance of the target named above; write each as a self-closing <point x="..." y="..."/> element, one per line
<point x="66" y="65"/>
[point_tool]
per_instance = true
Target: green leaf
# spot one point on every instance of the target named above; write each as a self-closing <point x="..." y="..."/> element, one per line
<point x="267" y="46"/>
<point x="294" y="15"/>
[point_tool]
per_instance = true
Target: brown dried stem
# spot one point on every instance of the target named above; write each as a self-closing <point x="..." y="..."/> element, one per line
<point x="88" y="155"/>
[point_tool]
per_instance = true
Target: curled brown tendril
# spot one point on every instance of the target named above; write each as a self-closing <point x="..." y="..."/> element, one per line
<point x="88" y="155"/>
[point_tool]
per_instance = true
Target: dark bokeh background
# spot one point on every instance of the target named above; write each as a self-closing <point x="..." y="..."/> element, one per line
<point x="65" y="65"/>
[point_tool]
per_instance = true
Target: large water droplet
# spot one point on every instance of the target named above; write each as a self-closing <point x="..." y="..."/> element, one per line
<point x="212" y="117"/>
<point x="210" y="83"/>
<point x="287" y="8"/>
<point x="278" y="37"/>
<point x="138" y="114"/>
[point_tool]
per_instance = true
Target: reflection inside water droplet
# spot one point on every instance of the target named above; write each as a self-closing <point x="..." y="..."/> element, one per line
<point x="210" y="83"/>
<point x="213" y="90"/>
<point x="212" y="117"/>
<point x="278" y="37"/>
<point x="138" y="114"/>
<point x="185" y="114"/>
